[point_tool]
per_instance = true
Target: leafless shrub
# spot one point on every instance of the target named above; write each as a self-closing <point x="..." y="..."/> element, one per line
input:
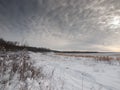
<point x="17" y="63"/>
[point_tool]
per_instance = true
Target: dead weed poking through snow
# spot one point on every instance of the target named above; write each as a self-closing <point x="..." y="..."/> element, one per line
<point x="18" y="73"/>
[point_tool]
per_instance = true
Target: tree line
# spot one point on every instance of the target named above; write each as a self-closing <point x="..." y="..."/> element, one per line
<point x="14" y="46"/>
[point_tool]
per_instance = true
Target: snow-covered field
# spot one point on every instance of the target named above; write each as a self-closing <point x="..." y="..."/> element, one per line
<point x="76" y="73"/>
<point x="69" y="73"/>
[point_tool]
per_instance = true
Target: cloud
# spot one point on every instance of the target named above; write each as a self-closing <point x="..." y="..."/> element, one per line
<point x="62" y="24"/>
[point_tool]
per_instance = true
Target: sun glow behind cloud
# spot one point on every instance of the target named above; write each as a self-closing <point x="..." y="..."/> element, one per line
<point x="58" y="24"/>
<point x="114" y="22"/>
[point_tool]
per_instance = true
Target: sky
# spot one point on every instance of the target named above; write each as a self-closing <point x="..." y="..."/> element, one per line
<point x="90" y="25"/>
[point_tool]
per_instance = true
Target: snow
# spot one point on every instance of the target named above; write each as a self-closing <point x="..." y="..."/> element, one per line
<point x="76" y="73"/>
<point x="63" y="73"/>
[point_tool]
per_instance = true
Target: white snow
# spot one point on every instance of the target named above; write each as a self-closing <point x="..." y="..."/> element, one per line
<point x="76" y="73"/>
<point x="63" y="73"/>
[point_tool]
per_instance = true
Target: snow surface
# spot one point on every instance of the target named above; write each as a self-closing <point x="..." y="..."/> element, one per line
<point x="63" y="73"/>
<point x="76" y="73"/>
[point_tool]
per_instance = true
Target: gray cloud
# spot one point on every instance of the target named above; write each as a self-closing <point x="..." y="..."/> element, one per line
<point x="62" y="24"/>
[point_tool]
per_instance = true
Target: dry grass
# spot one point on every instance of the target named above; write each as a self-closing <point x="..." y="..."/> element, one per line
<point x="17" y="63"/>
<point x="118" y="58"/>
<point x="98" y="58"/>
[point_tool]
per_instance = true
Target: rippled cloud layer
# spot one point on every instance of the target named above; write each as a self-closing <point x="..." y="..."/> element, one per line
<point x="62" y="24"/>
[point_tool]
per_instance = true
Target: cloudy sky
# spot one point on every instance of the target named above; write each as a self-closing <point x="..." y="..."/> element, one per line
<point x="62" y="24"/>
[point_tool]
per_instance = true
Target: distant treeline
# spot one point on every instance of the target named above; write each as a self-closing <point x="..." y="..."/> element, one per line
<point x="78" y="52"/>
<point x="14" y="46"/>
